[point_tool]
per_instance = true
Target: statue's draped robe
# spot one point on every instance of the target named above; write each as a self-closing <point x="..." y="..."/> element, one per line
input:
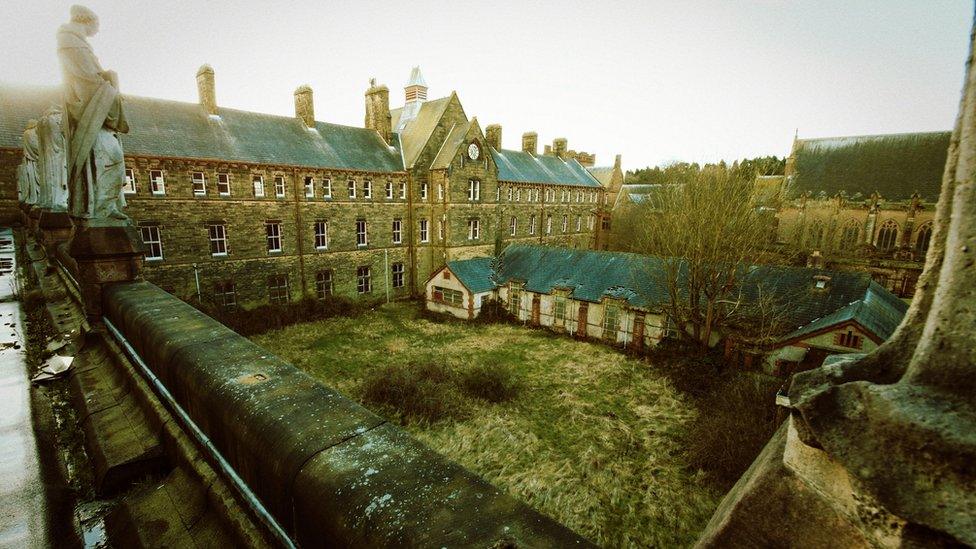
<point x="31" y="154"/>
<point x="52" y="164"/>
<point x="95" y="163"/>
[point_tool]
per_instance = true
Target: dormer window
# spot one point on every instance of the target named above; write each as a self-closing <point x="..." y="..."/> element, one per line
<point x="820" y="281"/>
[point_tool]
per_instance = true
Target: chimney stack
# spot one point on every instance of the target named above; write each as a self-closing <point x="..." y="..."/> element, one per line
<point x="378" y="110"/>
<point x="616" y="162"/>
<point x="530" y="143"/>
<point x="559" y="146"/>
<point x="303" y="105"/>
<point x="205" y="88"/>
<point x="547" y="150"/>
<point x="493" y="134"/>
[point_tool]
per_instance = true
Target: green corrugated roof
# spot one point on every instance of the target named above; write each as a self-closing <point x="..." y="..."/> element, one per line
<point x="175" y="129"/>
<point x="522" y="167"/>
<point x="895" y="165"/>
<point x="476" y="274"/>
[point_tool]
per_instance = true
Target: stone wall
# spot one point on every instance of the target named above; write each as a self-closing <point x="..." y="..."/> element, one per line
<point x="9" y="210"/>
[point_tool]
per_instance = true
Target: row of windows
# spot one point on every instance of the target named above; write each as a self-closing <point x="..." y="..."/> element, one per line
<point x="199" y="182"/>
<point x="565" y="195"/>
<point x="886" y="240"/>
<point x="225" y="293"/>
<point x="513" y="224"/>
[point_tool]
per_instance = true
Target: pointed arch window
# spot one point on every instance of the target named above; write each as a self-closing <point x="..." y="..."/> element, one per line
<point x="850" y="236"/>
<point x="923" y="239"/>
<point x="888" y="235"/>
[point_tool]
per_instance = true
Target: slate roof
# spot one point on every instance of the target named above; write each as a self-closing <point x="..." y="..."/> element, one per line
<point x="522" y="167"/>
<point x="417" y="130"/>
<point x="603" y="174"/>
<point x="450" y="146"/>
<point x="590" y="275"/>
<point x="879" y="311"/>
<point x="476" y="274"/>
<point x="165" y="128"/>
<point x="895" y="165"/>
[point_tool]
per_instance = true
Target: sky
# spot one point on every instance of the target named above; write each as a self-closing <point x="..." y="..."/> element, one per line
<point x="655" y="81"/>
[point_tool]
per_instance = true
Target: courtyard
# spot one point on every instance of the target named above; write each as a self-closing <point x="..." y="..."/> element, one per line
<point x="592" y="438"/>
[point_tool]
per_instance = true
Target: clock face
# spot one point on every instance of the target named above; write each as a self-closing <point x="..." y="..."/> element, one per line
<point x="473" y="151"/>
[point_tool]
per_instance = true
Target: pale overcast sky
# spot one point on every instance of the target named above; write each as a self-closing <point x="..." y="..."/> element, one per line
<point x="652" y="80"/>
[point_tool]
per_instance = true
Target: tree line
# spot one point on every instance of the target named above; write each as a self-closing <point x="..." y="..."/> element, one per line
<point x="684" y="172"/>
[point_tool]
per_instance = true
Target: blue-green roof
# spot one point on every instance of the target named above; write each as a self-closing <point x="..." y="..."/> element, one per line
<point x="879" y="312"/>
<point x="171" y="129"/>
<point x="522" y="167"/>
<point x="476" y="274"/>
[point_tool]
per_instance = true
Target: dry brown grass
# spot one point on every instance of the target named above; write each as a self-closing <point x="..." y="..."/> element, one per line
<point x="593" y="438"/>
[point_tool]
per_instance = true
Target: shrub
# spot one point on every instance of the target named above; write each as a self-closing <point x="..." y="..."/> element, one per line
<point x="493" y="310"/>
<point x="491" y="382"/>
<point x="263" y="318"/>
<point x="424" y="393"/>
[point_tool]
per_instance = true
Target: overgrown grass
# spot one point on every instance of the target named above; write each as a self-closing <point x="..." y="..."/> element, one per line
<point x="577" y="430"/>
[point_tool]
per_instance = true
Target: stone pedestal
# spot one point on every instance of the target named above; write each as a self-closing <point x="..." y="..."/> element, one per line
<point x="24" y="214"/>
<point x="33" y="216"/>
<point x="104" y="255"/>
<point x="53" y="228"/>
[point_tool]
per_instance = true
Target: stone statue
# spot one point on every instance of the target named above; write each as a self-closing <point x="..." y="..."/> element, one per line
<point x="52" y="167"/>
<point x="93" y="107"/>
<point x="31" y="154"/>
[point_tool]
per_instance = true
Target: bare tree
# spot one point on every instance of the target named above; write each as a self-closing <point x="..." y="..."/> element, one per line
<point x="708" y="232"/>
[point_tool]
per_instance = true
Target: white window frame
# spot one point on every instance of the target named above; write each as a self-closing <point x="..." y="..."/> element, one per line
<point x="309" y="186"/>
<point x="279" y="185"/>
<point x="364" y="279"/>
<point x="362" y="233"/>
<point x="351" y="186"/>
<point x="549" y="224"/>
<point x="257" y="185"/>
<point x="579" y="223"/>
<point x="565" y="223"/>
<point x="397" y="275"/>
<point x="440" y="191"/>
<point x="367" y="189"/>
<point x="157" y="183"/>
<point x="217" y="233"/>
<point x="424" y="231"/>
<point x="129" y="187"/>
<point x="513" y="226"/>
<point x="403" y="190"/>
<point x="327" y="188"/>
<point x="202" y="180"/>
<point x="389" y="190"/>
<point x="423" y="191"/>
<point x="532" y="224"/>
<point x="474" y="229"/>
<point x="518" y="194"/>
<point x="440" y="229"/>
<point x="397" y="231"/>
<point x="474" y="190"/>
<point x="320" y="230"/>
<point x="154" y="239"/>
<point x="511" y="192"/>
<point x="226" y="183"/>
<point x="272" y="231"/>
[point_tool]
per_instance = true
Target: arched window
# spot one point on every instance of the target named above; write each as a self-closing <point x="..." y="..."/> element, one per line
<point x="850" y="236"/>
<point x="815" y="234"/>
<point x="888" y="235"/>
<point x="923" y="238"/>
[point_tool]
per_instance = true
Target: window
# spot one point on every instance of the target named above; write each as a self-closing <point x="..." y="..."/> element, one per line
<point x="327" y="189"/>
<point x="273" y="231"/>
<point x="559" y="311"/>
<point x="565" y="223"/>
<point x="129" y="187"/>
<point x="223" y="184"/>
<point x="278" y="289"/>
<point x="849" y="339"/>
<point x="321" y="230"/>
<point x="309" y="187"/>
<point x="361" y="236"/>
<point x="579" y="223"/>
<point x="153" y="242"/>
<point x="549" y="224"/>
<point x="364" y="284"/>
<point x="474" y="229"/>
<point x="474" y="190"/>
<point x="498" y="194"/>
<point x="579" y="196"/>
<point x="589" y="222"/>
<point x="605" y="223"/>
<point x="156" y="183"/>
<point x="403" y="191"/>
<point x="440" y="229"/>
<point x="888" y="235"/>
<point x="532" y="224"/>
<point x="923" y="239"/>
<point x="323" y="284"/>
<point x="389" y="190"/>
<point x="513" y="226"/>
<point x="367" y="189"/>
<point x="518" y="194"/>
<point x="611" y="321"/>
<point x="440" y="191"/>
<point x="423" y="191"/>
<point x="397" y="231"/>
<point x="536" y="195"/>
<point x="199" y="183"/>
<point x="279" y="182"/>
<point x="424" y="236"/>
<point x="352" y="188"/>
<point x="258" y="182"/>
<point x="850" y="235"/>
<point x="218" y="240"/>
<point x="448" y="296"/>
<point x="225" y="295"/>
<point x="514" y="301"/>
<point x="511" y="192"/>
<point x="397" y="272"/>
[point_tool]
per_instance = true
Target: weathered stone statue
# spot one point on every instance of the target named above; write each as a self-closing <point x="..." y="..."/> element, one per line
<point x="52" y="166"/>
<point x="31" y="153"/>
<point x="93" y="106"/>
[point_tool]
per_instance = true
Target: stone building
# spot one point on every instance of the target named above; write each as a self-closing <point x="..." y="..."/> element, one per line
<point x="245" y="208"/>
<point x="864" y="203"/>
<point x="616" y="298"/>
